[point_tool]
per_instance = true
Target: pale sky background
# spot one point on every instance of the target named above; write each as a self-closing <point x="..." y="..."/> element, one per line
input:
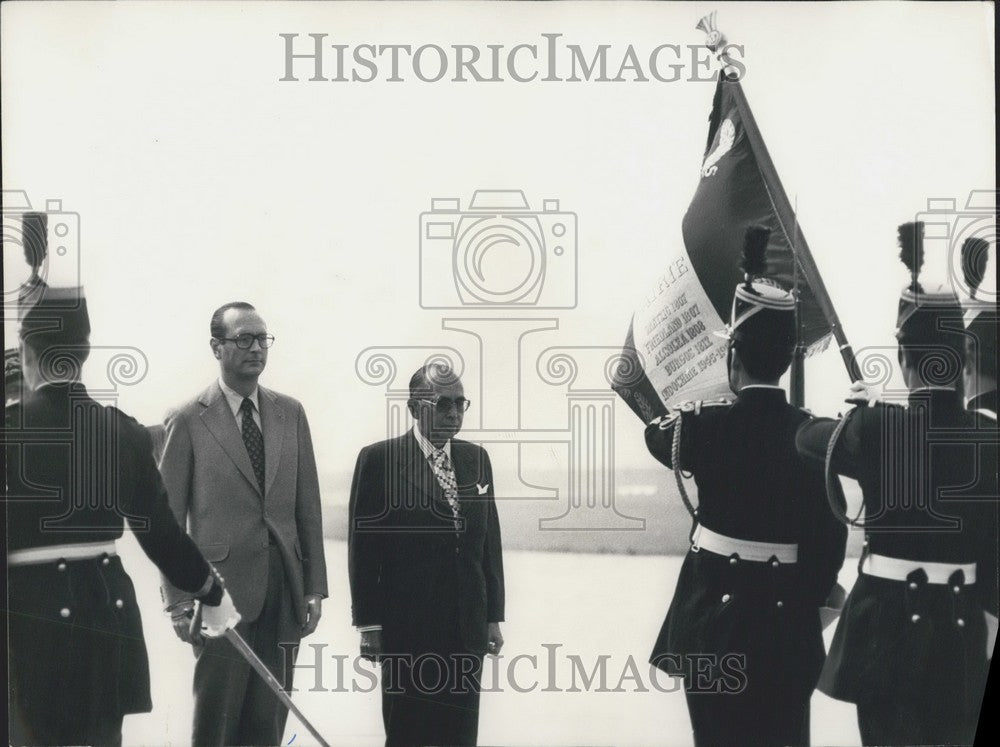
<point x="200" y="178"/>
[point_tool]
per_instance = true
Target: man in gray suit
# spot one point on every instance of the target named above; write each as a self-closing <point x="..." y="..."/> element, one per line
<point x="239" y="469"/>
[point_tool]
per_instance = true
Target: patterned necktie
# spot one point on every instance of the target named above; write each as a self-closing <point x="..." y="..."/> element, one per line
<point x="445" y="475"/>
<point x="254" y="441"/>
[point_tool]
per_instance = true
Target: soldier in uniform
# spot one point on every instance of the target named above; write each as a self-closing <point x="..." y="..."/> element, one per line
<point x="76" y="471"/>
<point x="981" y="326"/>
<point x="744" y="628"/>
<point x="910" y="646"/>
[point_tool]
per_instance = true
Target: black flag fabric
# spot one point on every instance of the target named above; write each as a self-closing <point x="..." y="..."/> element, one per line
<point x="670" y="355"/>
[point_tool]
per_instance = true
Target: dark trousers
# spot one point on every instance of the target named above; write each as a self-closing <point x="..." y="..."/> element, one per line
<point x="431" y="698"/>
<point x="933" y="720"/>
<point x="751" y="719"/>
<point x="233" y="705"/>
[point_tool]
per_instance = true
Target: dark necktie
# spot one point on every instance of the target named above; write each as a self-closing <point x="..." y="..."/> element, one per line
<point x="254" y="441"/>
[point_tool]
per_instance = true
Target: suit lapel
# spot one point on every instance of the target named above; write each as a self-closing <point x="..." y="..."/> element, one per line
<point x="272" y="419"/>
<point x="468" y="473"/>
<point x="219" y="420"/>
<point x="465" y="468"/>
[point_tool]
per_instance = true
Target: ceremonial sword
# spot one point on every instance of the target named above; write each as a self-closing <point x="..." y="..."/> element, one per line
<point x="272" y="682"/>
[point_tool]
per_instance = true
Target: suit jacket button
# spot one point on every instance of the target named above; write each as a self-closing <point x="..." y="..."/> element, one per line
<point x="726" y="598"/>
<point x="119" y="603"/>
<point x="780" y="604"/>
<point x="956" y="589"/>
<point x="61" y="566"/>
<point x="913" y="585"/>
<point x="106" y="561"/>
<point x="960" y="622"/>
<point x="915" y="618"/>
<point x="458" y="550"/>
<point x="64" y="612"/>
<point x="733" y="561"/>
<point x="774" y="563"/>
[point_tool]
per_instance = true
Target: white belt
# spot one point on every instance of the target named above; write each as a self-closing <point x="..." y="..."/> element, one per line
<point x="52" y="553"/>
<point x="897" y="569"/>
<point x="705" y="539"/>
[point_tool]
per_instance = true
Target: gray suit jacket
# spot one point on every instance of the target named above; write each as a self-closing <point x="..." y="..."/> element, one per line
<point x="214" y="494"/>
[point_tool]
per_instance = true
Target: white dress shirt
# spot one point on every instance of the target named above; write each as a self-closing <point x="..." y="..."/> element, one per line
<point x="426" y="446"/>
<point x="235" y="401"/>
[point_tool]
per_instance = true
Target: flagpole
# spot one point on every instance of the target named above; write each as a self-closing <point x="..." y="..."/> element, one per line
<point x="797" y="376"/>
<point x="803" y="258"/>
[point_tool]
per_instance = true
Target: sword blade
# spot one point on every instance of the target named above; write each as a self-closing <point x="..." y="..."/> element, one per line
<point x="272" y="682"/>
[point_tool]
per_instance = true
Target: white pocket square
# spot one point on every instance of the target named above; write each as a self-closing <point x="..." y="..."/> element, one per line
<point x="482" y="488"/>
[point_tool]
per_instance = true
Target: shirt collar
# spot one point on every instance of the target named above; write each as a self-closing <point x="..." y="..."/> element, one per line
<point x="426" y="446"/>
<point x="760" y="386"/>
<point x="235" y="399"/>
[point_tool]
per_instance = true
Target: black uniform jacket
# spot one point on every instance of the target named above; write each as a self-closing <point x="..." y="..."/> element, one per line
<point x="76" y="471"/>
<point x="752" y="485"/>
<point x="928" y="473"/>
<point x="411" y="572"/>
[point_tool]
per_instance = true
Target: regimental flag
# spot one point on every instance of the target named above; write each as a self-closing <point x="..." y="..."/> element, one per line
<point x="670" y="354"/>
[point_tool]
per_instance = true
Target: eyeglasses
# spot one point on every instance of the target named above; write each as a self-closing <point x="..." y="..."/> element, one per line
<point x="444" y="404"/>
<point x="245" y="342"/>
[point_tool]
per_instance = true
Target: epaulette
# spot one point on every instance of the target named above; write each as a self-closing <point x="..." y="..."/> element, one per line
<point x="10" y="414"/>
<point x="122" y="415"/>
<point x="986" y="414"/>
<point x="695" y="407"/>
<point x="665" y="421"/>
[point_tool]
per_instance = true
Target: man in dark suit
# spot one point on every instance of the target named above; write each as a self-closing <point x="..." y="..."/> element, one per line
<point x="76" y="471"/>
<point x="910" y="646"/>
<point x="744" y="627"/>
<point x="426" y="568"/>
<point x="239" y="468"/>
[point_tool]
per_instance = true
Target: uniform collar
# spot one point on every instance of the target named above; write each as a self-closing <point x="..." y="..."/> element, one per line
<point x="762" y="393"/>
<point x="55" y="389"/>
<point x="935" y="394"/>
<point x="426" y="446"/>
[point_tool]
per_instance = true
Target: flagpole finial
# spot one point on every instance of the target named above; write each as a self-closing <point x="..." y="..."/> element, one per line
<point x="714" y="38"/>
<point x="716" y="41"/>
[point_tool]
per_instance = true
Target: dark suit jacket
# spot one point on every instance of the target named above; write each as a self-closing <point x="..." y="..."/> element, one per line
<point x="410" y="571"/>
<point x="213" y="492"/>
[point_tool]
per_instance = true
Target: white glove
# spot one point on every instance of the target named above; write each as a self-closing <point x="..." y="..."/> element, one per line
<point x="862" y="394"/>
<point x="215" y="621"/>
